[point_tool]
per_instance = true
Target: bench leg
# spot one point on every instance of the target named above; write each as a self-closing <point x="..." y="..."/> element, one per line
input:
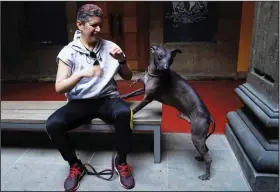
<point x="157" y="150"/>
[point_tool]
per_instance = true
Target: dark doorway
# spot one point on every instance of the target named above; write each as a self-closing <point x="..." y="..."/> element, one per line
<point x="46" y="22"/>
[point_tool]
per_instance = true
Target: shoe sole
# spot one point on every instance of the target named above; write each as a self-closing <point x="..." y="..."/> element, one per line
<point x="77" y="187"/>
<point x="120" y="180"/>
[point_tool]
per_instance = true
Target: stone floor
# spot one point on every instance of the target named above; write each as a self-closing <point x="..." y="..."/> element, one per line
<point x="29" y="169"/>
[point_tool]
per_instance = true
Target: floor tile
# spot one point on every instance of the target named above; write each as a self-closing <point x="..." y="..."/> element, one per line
<point x="222" y="160"/>
<point x="9" y="156"/>
<point x="35" y="176"/>
<point x="185" y="180"/>
<point x="52" y="156"/>
<point x="149" y="179"/>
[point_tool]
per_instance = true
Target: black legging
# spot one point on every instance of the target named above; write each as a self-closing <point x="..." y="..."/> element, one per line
<point x="78" y="112"/>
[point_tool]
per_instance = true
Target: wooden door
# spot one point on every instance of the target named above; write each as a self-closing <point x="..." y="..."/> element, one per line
<point x="127" y="24"/>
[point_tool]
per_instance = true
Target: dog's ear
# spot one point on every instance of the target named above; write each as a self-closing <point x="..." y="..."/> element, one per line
<point x="175" y="51"/>
<point x="153" y="48"/>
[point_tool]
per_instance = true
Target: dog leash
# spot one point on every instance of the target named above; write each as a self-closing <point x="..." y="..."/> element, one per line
<point x="137" y="80"/>
<point x="104" y="172"/>
<point x="146" y="71"/>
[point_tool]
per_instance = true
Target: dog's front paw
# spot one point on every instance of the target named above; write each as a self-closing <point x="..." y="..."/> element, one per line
<point x="204" y="177"/>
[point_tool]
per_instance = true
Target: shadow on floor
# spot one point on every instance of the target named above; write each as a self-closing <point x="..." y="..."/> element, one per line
<point x="80" y="140"/>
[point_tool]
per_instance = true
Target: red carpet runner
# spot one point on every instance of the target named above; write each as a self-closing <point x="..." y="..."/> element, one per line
<point x="219" y="96"/>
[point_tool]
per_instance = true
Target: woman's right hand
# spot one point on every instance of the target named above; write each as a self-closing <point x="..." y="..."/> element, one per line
<point x="94" y="71"/>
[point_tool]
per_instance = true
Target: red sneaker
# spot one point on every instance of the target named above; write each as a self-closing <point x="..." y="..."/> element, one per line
<point x="76" y="173"/>
<point x="125" y="173"/>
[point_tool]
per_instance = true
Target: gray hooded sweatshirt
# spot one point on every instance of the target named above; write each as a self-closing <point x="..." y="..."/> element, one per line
<point x="78" y="58"/>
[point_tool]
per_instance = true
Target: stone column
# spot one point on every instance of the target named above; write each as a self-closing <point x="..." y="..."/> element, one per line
<point x="253" y="130"/>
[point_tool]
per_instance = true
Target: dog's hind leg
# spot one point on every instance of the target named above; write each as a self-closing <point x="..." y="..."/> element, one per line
<point x="199" y="157"/>
<point x="204" y="155"/>
<point x="199" y="138"/>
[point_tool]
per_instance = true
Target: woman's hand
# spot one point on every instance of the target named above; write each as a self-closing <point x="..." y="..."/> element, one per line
<point x="95" y="70"/>
<point x="117" y="53"/>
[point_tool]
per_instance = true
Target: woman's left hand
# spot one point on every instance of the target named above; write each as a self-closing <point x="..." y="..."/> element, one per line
<point x="118" y="54"/>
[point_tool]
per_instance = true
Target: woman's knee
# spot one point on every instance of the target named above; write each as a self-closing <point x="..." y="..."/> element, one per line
<point x="124" y="119"/>
<point x="54" y="123"/>
<point x="123" y="113"/>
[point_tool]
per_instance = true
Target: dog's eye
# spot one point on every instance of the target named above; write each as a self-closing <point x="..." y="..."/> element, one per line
<point x="160" y="56"/>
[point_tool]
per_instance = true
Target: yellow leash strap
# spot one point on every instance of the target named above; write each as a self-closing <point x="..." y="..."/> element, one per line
<point x="131" y="119"/>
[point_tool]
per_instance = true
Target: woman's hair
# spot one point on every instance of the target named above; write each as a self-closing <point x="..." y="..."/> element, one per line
<point x="87" y="11"/>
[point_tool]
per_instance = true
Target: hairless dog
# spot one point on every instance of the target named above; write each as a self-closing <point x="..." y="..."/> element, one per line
<point x="166" y="86"/>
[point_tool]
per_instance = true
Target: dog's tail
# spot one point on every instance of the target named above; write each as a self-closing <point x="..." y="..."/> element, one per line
<point x="134" y="93"/>
<point x="213" y="127"/>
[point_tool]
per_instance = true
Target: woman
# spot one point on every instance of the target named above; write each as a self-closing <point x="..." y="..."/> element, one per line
<point x="86" y="69"/>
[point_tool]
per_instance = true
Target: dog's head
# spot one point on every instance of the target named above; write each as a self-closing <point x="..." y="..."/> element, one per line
<point x="163" y="57"/>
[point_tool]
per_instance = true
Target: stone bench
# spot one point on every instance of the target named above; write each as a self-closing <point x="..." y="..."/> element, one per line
<point x="32" y="116"/>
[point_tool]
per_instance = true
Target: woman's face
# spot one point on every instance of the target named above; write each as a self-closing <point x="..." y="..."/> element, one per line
<point x="91" y="29"/>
